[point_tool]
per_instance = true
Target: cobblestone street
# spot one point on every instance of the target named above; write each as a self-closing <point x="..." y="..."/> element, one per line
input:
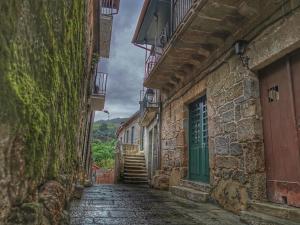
<point x="134" y="205"/>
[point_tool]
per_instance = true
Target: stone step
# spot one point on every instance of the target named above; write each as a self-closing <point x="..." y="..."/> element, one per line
<point x="134" y="157"/>
<point x="134" y="161"/>
<point x="126" y="164"/>
<point x="135" y="182"/>
<point x="143" y="174"/>
<point x="199" y="186"/>
<point x="135" y="177"/>
<point x="138" y="167"/>
<point x="276" y="210"/>
<point x="137" y="170"/>
<point x="255" y="218"/>
<point x="189" y="193"/>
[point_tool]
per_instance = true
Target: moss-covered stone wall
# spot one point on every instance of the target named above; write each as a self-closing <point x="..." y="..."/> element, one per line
<point x="43" y="88"/>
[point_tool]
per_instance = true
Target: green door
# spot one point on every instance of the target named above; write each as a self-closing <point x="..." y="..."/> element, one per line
<point x="198" y="139"/>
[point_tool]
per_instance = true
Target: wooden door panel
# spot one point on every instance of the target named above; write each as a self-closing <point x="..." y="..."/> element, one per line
<point x="281" y="138"/>
<point x="295" y="67"/>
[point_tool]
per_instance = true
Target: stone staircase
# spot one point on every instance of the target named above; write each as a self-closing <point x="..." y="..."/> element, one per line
<point x="266" y="213"/>
<point x="135" y="171"/>
<point x="194" y="191"/>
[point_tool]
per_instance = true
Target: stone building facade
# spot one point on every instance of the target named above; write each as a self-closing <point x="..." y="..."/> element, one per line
<point x="129" y="133"/>
<point x="200" y="66"/>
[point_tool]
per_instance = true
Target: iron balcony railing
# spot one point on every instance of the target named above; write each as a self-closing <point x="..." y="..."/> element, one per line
<point x="151" y="61"/>
<point x="100" y="81"/>
<point x="179" y="10"/>
<point x="110" y="7"/>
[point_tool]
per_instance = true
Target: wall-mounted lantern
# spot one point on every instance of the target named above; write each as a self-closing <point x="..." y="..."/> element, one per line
<point x="149" y="95"/>
<point x="240" y="47"/>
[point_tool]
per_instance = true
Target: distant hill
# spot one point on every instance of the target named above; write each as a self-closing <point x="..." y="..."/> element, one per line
<point x="105" y="130"/>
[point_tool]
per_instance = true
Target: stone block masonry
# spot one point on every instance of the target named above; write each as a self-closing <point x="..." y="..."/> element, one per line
<point x="235" y="135"/>
<point x="236" y="148"/>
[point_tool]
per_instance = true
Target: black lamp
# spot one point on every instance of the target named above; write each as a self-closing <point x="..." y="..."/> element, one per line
<point x="240" y="47"/>
<point x="149" y="95"/>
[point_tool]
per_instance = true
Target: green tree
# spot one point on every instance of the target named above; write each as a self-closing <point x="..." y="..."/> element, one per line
<point x="104" y="153"/>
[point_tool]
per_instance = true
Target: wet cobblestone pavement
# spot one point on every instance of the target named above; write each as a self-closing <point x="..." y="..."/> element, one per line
<point x="134" y="205"/>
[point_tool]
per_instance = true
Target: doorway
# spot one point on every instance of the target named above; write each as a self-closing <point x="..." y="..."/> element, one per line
<point x="279" y="86"/>
<point x="198" y="141"/>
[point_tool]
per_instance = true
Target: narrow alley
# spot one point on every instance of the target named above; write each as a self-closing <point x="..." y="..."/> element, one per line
<point x="150" y="112"/>
<point x="139" y="205"/>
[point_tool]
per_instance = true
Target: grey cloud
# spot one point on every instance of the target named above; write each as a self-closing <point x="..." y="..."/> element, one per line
<point x="126" y="64"/>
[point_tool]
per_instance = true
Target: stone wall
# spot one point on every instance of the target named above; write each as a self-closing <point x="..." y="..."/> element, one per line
<point x="174" y="146"/>
<point x="236" y="152"/>
<point x="235" y="136"/>
<point x="44" y="81"/>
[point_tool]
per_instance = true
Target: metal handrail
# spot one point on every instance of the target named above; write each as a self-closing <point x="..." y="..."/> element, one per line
<point x="100" y="82"/>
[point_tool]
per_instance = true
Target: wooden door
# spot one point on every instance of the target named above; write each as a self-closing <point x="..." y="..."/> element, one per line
<point x="279" y="84"/>
<point x="198" y="139"/>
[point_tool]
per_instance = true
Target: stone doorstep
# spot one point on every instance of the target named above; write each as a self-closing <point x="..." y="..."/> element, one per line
<point x="255" y="218"/>
<point x="276" y="210"/>
<point x="189" y="193"/>
<point x="196" y="185"/>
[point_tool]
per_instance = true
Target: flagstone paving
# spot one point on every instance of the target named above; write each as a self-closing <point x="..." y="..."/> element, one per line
<point x="137" y="205"/>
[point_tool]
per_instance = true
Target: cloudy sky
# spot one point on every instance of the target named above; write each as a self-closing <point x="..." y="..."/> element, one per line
<point x="125" y="65"/>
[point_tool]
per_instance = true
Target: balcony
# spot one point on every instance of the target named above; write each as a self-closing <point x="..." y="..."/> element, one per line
<point x="149" y="104"/>
<point x="151" y="60"/>
<point x="106" y="10"/>
<point x="193" y="34"/>
<point x="110" y="7"/>
<point x="99" y="91"/>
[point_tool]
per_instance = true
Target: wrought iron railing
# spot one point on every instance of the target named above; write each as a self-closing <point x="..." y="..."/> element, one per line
<point x="109" y="7"/>
<point x="151" y="62"/>
<point x="100" y="81"/>
<point x="179" y="9"/>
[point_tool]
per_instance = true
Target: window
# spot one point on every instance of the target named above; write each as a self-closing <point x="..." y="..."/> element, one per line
<point x="132" y="135"/>
<point x="273" y="93"/>
<point x="127" y="136"/>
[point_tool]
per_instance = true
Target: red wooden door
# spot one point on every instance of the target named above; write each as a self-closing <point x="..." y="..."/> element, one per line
<point x="280" y="84"/>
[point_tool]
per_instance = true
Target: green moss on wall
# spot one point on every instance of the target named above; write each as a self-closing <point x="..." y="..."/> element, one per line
<point x="42" y="80"/>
